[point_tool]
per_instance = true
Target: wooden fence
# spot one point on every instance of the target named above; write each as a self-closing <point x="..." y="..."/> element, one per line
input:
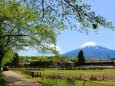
<point x="70" y="80"/>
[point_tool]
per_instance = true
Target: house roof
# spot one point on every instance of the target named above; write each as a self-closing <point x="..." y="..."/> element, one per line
<point x="58" y="61"/>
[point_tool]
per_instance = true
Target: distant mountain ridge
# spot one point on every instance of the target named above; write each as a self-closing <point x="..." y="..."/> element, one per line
<point x="92" y="50"/>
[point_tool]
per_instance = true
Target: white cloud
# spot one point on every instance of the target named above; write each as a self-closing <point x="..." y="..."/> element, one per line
<point x="78" y="23"/>
<point x="57" y="48"/>
<point x="27" y="48"/>
<point x="37" y="50"/>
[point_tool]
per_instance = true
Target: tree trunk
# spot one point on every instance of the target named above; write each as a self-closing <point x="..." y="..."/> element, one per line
<point x="0" y="67"/>
<point x="0" y="63"/>
<point x="1" y="45"/>
<point x="1" y="58"/>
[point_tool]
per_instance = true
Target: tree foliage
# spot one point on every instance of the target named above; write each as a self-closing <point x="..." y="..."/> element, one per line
<point x="66" y="11"/>
<point x="14" y="62"/>
<point x="19" y="27"/>
<point x="8" y="55"/>
<point x="17" y="20"/>
<point x="16" y="59"/>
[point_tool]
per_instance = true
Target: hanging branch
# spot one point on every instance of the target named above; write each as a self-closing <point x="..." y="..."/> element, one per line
<point x="62" y="9"/>
<point x="77" y="9"/>
<point x="43" y="8"/>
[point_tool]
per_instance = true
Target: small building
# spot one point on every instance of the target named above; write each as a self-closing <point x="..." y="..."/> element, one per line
<point x="67" y="64"/>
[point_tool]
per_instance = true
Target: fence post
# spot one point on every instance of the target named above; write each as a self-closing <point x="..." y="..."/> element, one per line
<point x="84" y="82"/>
<point x="32" y="74"/>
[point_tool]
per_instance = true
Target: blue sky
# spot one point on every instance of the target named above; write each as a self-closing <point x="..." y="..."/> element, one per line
<point x="71" y="39"/>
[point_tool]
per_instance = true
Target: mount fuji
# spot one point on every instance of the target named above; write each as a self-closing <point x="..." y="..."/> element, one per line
<point x="92" y="50"/>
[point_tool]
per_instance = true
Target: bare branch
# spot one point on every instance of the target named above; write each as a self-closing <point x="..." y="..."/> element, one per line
<point x="13" y="35"/>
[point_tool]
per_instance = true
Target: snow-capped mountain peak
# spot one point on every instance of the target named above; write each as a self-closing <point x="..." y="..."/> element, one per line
<point x="89" y="44"/>
<point x="92" y="50"/>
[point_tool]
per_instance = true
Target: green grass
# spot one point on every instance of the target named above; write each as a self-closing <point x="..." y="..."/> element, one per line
<point x="93" y="71"/>
<point x="60" y="82"/>
<point x="107" y="82"/>
<point x="63" y="82"/>
<point x="1" y="80"/>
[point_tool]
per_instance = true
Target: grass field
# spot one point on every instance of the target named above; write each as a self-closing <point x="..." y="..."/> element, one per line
<point x="91" y="71"/>
<point x="103" y="74"/>
<point x="107" y="76"/>
<point x="76" y="83"/>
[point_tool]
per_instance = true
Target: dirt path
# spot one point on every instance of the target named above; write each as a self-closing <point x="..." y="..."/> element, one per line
<point x="14" y="79"/>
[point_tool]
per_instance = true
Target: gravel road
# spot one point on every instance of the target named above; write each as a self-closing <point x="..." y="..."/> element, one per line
<point x="14" y="79"/>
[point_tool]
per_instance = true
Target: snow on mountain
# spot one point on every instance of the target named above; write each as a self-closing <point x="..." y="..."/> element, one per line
<point x="92" y="50"/>
<point x="88" y="44"/>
